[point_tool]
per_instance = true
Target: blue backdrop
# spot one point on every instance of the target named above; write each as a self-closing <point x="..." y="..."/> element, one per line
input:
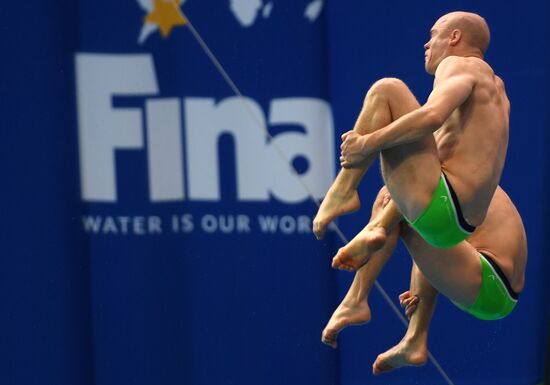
<point x="151" y="232"/>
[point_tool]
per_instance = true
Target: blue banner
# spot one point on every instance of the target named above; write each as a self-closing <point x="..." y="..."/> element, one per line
<point x="162" y="159"/>
<point x="199" y="231"/>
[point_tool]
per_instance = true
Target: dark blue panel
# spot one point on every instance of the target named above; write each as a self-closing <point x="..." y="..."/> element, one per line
<point x="188" y="275"/>
<point x="383" y="39"/>
<point x="44" y="281"/>
<point x="218" y="296"/>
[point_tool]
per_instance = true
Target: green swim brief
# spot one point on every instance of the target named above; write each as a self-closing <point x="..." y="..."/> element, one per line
<point x="442" y="224"/>
<point x="496" y="299"/>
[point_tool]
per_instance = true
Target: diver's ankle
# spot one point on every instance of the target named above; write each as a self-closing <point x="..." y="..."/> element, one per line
<point x="415" y="337"/>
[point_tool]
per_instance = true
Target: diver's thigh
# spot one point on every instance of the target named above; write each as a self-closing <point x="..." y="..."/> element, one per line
<point x="455" y="272"/>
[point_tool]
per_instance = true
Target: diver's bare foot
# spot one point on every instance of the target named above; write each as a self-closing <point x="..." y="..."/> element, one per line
<point x="336" y="203"/>
<point x="406" y="353"/>
<point x="358" y="251"/>
<point x="345" y="315"/>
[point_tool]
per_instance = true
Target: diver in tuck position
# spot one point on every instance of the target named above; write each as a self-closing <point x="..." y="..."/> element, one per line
<point x="499" y="249"/>
<point x="441" y="163"/>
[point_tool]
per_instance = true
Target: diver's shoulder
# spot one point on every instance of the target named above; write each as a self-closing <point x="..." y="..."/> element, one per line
<point x="499" y="82"/>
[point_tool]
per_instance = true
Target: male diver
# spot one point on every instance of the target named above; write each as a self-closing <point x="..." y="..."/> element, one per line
<point x="501" y="245"/>
<point x="441" y="163"/>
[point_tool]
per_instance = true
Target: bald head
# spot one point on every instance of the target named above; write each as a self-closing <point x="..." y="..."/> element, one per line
<point x="474" y="28"/>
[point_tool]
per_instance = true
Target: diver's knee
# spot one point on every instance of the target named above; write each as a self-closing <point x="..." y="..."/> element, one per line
<point x="383" y="194"/>
<point x="387" y="86"/>
<point x="381" y="201"/>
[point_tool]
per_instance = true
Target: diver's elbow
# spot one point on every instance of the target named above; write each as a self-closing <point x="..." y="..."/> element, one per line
<point x="433" y="119"/>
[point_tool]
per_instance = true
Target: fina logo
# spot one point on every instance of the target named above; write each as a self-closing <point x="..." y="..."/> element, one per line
<point x="159" y="125"/>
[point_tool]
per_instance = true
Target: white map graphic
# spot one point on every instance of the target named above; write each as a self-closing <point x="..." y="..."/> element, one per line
<point x="267" y="10"/>
<point x="246" y="11"/>
<point x="313" y="10"/>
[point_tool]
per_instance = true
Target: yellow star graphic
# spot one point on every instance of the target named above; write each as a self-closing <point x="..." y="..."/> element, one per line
<point x="166" y="14"/>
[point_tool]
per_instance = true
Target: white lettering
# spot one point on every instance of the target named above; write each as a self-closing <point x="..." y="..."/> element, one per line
<point x="287" y="224"/>
<point x="304" y="224"/>
<point x="103" y="129"/>
<point x="268" y="223"/>
<point x="139" y="225"/>
<point x="154" y="225"/>
<point x="260" y="172"/>
<point x="123" y="222"/>
<point x="227" y="224"/>
<point x="187" y="223"/>
<point x="183" y="223"/>
<point x="136" y="225"/>
<point x="91" y="224"/>
<point x="164" y="149"/>
<point x="109" y="226"/>
<point x="205" y="122"/>
<point x="209" y="223"/>
<point x="243" y="224"/>
<point x="316" y="145"/>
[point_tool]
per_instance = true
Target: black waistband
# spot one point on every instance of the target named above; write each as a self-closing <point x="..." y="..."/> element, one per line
<point x="500" y="273"/>
<point x="461" y="220"/>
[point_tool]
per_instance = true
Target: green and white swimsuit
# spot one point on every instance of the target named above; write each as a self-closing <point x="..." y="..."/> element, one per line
<point x="443" y="225"/>
<point x="496" y="298"/>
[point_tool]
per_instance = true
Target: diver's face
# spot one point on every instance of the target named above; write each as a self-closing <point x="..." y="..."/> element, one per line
<point x="436" y="47"/>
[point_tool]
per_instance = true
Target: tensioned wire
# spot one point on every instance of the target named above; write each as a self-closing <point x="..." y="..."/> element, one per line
<point x="310" y="193"/>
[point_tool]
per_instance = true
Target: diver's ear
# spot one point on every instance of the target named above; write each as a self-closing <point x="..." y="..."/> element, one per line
<point x="456" y="36"/>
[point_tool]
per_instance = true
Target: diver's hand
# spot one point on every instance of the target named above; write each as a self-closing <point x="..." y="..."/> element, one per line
<point x="409" y="302"/>
<point x="354" y="149"/>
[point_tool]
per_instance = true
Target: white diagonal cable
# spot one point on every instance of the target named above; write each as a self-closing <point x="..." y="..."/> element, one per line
<point x="333" y="225"/>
